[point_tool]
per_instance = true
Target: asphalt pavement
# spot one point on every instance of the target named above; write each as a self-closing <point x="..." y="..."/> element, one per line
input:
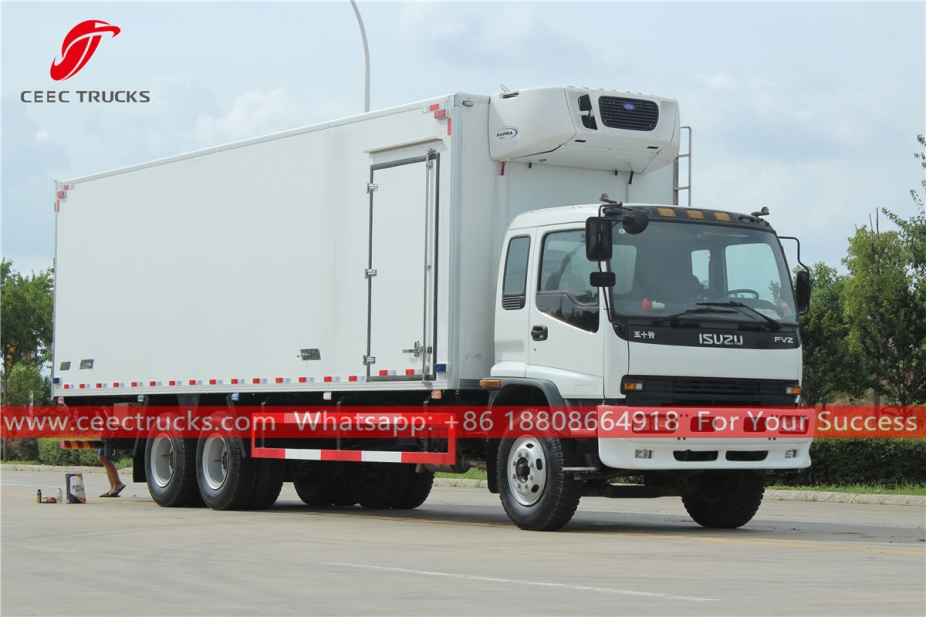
<point x="456" y="555"/>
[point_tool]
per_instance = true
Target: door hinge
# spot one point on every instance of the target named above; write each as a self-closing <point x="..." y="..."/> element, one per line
<point x="368" y="360"/>
<point x="372" y="187"/>
<point x="369" y="273"/>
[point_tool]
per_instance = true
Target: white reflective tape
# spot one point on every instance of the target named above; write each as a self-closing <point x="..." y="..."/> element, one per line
<point x="381" y="457"/>
<point x="303" y="455"/>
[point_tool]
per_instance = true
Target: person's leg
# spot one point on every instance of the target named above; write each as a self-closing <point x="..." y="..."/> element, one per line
<point x="105" y="457"/>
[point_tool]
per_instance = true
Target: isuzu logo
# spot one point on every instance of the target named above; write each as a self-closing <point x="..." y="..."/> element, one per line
<point x="729" y="340"/>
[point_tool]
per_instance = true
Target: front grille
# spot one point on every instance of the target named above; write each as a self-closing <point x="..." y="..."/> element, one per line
<point x="696" y="391"/>
<point x="629" y="114"/>
<point x="700" y="388"/>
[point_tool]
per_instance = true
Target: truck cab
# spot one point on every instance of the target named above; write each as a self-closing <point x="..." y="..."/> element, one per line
<point x="647" y="307"/>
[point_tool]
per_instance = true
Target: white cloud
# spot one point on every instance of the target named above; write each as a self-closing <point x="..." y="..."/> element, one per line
<point x="254" y="113"/>
<point x="717" y="80"/>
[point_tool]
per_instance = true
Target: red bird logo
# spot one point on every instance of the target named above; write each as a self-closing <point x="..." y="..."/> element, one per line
<point x="78" y="47"/>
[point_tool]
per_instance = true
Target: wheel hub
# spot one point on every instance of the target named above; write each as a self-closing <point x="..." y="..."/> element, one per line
<point x="215" y="462"/>
<point x="528" y="475"/>
<point x="162" y="460"/>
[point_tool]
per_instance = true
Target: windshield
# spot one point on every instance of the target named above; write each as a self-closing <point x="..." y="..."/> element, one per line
<point x="676" y="272"/>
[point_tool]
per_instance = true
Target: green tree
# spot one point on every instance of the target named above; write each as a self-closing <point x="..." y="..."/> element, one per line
<point x="832" y="366"/>
<point x="25" y="312"/>
<point x="25" y="379"/>
<point x="886" y="309"/>
<point x="913" y="230"/>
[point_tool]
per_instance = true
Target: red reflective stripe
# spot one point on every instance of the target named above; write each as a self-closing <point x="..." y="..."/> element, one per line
<point x="327" y="378"/>
<point x="302" y="380"/>
<point x="342" y="455"/>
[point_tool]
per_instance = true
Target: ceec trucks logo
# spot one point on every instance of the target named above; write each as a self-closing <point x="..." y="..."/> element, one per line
<point x="79" y="46"/>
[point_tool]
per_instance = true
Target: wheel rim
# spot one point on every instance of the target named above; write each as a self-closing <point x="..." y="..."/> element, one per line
<point x="215" y="462"/>
<point x="162" y="460"/>
<point x="527" y="470"/>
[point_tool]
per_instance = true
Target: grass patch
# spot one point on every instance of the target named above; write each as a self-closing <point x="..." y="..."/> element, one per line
<point x="471" y="474"/>
<point x="123" y="463"/>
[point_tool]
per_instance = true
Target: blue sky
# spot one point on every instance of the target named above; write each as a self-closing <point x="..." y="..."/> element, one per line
<point x="810" y="109"/>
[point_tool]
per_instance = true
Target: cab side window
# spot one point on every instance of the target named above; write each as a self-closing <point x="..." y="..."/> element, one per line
<point x="514" y="285"/>
<point x="563" y="290"/>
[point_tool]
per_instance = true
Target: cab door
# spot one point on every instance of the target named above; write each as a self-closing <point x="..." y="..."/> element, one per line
<point x="566" y="323"/>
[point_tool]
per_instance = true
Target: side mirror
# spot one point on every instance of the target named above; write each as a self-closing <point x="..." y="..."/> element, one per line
<point x="802" y="291"/>
<point x="602" y="279"/>
<point x="597" y="239"/>
<point x="635" y="221"/>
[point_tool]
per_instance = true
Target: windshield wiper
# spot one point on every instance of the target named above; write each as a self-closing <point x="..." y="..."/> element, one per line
<point x="773" y="323"/>
<point x="704" y="309"/>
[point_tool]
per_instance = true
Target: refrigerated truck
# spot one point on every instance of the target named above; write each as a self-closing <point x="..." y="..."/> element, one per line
<point x="524" y="250"/>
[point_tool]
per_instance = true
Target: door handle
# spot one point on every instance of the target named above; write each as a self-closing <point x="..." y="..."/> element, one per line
<point x="539" y="333"/>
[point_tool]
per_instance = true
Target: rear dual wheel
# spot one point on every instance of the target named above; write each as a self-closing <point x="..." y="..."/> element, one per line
<point x="380" y="486"/>
<point x="170" y="466"/>
<point x="226" y="476"/>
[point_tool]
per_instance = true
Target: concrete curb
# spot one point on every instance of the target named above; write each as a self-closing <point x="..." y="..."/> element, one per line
<point x="833" y="497"/>
<point x="774" y="495"/>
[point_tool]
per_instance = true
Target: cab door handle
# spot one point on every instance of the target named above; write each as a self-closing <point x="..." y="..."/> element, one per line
<point x="539" y="333"/>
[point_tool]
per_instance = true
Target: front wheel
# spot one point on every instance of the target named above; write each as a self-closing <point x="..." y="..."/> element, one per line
<point x="537" y="494"/>
<point x="725" y="499"/>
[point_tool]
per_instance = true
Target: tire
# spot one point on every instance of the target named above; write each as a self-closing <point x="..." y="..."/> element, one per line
<point x="378" y="486"/>
<point x="342" y="494"/>
<point x="726" y="499"/>
<point x="267" y="484"/>
<point x="313" y="490"/>
<point x="226" y="477"/>
<point x="170" y="467"/>
<point x="416" y="490"/>
<point x="535" y="491"/>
